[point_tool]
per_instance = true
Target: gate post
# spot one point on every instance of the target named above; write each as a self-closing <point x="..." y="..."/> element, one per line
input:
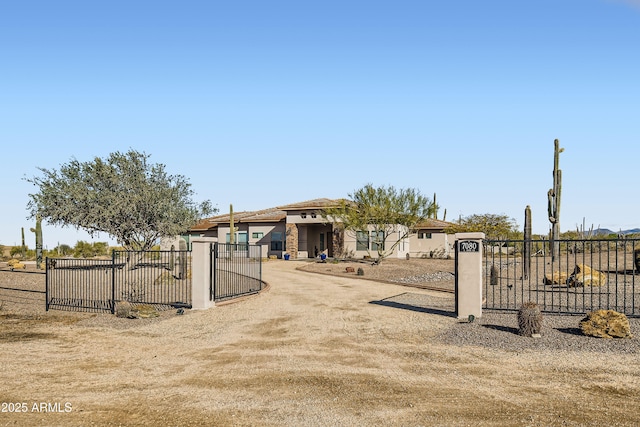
<point x="469" y="275"/>
<point x="201" y="273"/>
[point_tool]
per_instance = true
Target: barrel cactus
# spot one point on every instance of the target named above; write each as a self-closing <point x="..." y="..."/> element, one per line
<point x="529" y="319"/>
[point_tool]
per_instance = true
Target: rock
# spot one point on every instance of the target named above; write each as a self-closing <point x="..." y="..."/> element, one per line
<point x="144" y="311"/>
<point x="557" y="278"/>
<point x="350" y="270"/>
<point x="583" y="275"/>
<point x="123" y="309"/>
<point x="606" y="324"/>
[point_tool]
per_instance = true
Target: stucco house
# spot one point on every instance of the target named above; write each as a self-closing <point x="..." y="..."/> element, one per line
<point x="299" y="230"/>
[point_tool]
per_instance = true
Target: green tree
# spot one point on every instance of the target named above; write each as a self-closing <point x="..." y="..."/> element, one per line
<point x="495" y="227"/>
<point x="383" y="211"/>
<point x="18" y="250"/>
<point x="124" y="195"/>
<point x="84" y="249"/>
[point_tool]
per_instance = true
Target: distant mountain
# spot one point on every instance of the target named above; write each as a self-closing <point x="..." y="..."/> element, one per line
<point x="606" y="231"/>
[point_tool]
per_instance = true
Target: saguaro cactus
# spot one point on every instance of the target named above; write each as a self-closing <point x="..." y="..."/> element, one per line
<point x="182" y="260"/>
<point x="435" y="207"/>
<point x="38" y="232"/>
<point x="24" y="247"/>
<point x="554" y="201"/>
<point x="527" y="243"/>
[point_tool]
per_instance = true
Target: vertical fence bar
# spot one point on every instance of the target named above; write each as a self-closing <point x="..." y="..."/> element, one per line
<point x="46" y="283"/>
<point x="113" y="282"/>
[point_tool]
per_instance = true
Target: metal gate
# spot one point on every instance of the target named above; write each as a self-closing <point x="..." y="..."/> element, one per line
<point x="141" y="277"/>
<point x="582" y="276"/>
<point x="236" y="270"/>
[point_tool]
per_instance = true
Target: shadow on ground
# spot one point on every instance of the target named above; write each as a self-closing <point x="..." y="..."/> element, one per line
<point x="419" y="303"/>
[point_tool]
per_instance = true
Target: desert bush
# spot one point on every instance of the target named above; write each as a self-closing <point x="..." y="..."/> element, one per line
<point x="529" y="319"/>
<point x="123" y="309"/>
<point x="17" y="251"/>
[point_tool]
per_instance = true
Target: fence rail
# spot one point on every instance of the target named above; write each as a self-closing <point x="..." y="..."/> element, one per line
<point x="582" y="276"/>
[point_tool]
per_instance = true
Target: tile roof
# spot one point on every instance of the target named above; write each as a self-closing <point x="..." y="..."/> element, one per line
<point x="310" y="204"/>
<point x="279" y="213"/>
<point x="434" y="224"/>
<point x="264" y="215"/>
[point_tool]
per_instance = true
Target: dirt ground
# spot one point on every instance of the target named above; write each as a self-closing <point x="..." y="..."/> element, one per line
<point x="315" y="349"/>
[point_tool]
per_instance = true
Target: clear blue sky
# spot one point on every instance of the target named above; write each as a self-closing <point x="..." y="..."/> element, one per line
<point x="264" y="103"/>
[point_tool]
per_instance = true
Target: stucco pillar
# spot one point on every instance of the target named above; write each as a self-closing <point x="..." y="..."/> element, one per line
<point x="201" y="273"/>
<point x="469" y="275"/>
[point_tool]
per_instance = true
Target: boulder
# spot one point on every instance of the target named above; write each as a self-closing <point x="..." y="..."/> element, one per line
<point x="583" y="275"/>
<point x="144" y="311"/>
<point x="127" y="310"/>
<point x="606" y="324"/>
<point x="557" y="278"/>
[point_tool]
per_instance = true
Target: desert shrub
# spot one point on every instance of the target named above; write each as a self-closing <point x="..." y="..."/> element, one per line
<point x="17" y="251"/>
<point x="360" y="272"/>
<point x="123" y="309"/>
<point x="90" y="250"/>
<point x="529" y="319"/>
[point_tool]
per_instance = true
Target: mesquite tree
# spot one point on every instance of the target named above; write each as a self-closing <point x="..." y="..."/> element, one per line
<point x="494" y="226"/>
<point x="553" y="196"/>
<point x="382" y="212"/>
<point x="124" y="195"/>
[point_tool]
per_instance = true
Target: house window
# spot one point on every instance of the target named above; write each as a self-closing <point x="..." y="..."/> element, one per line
<point x="424" y="235"/>
<point x="257" y="235"/>
<point x="303" y="215"/>
<point x="313" y="215"/>
<point x="377" y="240"/>
<point x="277" y="241"/>
<point x="362" y="241"/>
<point x="241" y="238"/>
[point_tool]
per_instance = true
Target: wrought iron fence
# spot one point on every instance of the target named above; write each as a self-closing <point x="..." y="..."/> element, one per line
<point x="581" y="276"/>
<point x="153" y="277"/>
<point x="237" y="270"/>
<point x="149" y="277"/>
